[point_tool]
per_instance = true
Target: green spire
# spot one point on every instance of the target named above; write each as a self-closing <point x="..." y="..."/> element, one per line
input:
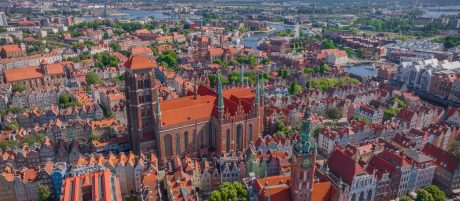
<point x="220" y="93"/>
<point x="157" y="109"/>
<point x="242" y="74"/>
<point x="306" y="144"/>
<point x="257" y="91"/>
<point x="262" y="86"/>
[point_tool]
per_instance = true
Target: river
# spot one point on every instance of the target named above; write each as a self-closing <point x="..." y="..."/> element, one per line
<point x="436" y="12"/>
<point x="134" y="14"/>
<point x="252" y="40"/>
<point x="361" y="70"/>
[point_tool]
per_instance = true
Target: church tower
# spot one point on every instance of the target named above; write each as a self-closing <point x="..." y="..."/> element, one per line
<point x="304" y="159"/>
<point x="141" y="102"/>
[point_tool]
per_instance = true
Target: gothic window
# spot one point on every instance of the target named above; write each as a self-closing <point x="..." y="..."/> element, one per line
<point x="148" y="98"/>
<point x="250" y="133"/>
<point x="194" y="140"/>
<point x="353" y="197"/>
<point x="168" y="145"/>
<point x="369" y="195"/>
<point x="202" y="137"/>
<point x="228" y="140"/>
<point x="185" y="141"/>
<point x="361" y="196"/>
<point x="146" y="83"/>
<point x="139" y="84"/>
<point x="239" y="137"/>
<point x="178" y="144"/>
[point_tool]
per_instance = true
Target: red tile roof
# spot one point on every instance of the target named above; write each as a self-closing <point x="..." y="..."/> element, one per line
<point x="442" y="158"/>
<point x="216" y="51"/>
<point x="277" y="187"/>
<point x="189" y="108"/>
<point x="10" y="48"/>
<point x="322" y="191"/>
<point x="343" y="166"/>
<point x="336" y="52"/>
<point x="26" y="73"/>
<point x="140" y="62"/>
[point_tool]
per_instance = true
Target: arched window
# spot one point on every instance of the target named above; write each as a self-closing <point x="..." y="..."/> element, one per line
<point x="168" y="145"/>
<point x="228" y="140"/>
<point x="239" y="137"/>
<point x="185" y="141"/>
<point x="194" y="140"/>
<point x="353" y="197"/>
<point x="369" y="195"/>
<point x="202" y="137"/>
<point x="250" y="133"/>
<point x="178" y="144"/>
<point x="146" y="83"/>
<point x="361" y="196"/>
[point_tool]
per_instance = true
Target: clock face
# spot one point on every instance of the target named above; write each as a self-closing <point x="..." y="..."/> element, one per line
<point x="306" y="162"/>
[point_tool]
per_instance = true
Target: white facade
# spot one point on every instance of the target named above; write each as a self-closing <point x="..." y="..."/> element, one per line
<point x="325" y="144"/>
<point x="363" y="187"/>
<point x="418" y="73"/>
<point x="3" y="19"/>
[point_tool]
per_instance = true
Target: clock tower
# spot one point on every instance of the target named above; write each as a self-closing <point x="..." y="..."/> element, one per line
<point x="303" y="162"/>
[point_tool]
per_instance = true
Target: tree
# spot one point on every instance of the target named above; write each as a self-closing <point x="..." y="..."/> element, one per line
<point x="229" y="191"/>
<point x="316" y="132"/>
<point x="115" y="46"/>
<point x="16" y="110"/>
<point x="455" y="149"/>
<point x="423" y="195"/>
<point x="19" y="87"/>
<point x="44" y="193"/>
<point x="265" y="61"/>
<point x="436" y="193"/>
<point x="283" y="73"/>
<point x="105" y="59"/>
<point x="66" y="100"/>
<point x="213" y="80"/>
<point x="106" y="36"/>
<point x="92" y="78"/>
<point x="405" y="198"/>
<point x="294" y="88"/>
<point x="215" y="196"/>
<point x="168" y="58"/>
<point x="12" y="126"/>
<point x="308" y="71"/>
<point x="324" y="68"/>
<point x="333" y="113"/>
<point x="250" y="60"/>
<point x="328" y="44"/>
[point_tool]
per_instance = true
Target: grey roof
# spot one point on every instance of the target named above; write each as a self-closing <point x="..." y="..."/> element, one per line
<point x="416" y="156"/>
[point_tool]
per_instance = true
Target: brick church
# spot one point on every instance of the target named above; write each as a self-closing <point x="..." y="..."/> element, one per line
<point x="203" y="123"/>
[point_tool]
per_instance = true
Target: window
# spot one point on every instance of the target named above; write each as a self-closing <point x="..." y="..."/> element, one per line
<point x="194" y="140"/>
<point x="239" y="137"/>
<point x="228" y="140"/>
<point x="202" y="137"/>
<point x="185" y="141"/>
<point x="168" y="145"/>
<point x="178" y="144"/>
